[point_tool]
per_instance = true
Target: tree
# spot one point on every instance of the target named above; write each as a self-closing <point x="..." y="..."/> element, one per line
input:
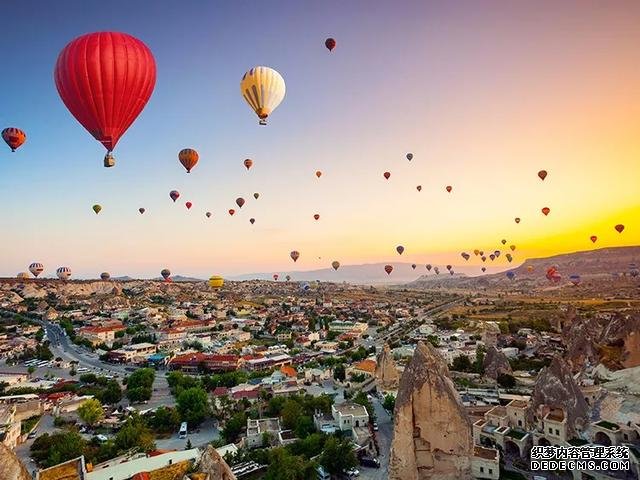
<point x="291" y="412"/>
<point x="112" y="393"/>
<point x="139" y="385"/>
<point x="389" y="402"/>
<point x="91" y="411"/>
<point x="49" y="450"/>
<point x="461" y="363"/>
<point x="339" y="373"/>
<point x="188" y="446"/>
<point x="165" y="420"/>
<point x="30" y="370"/>
<point x="338" y="456"/>
<point x="506" y="381"/>
<point x="234" y="426"/>
<point x="134" y="434"/>
<point x="193" y="406"/>
<point x="284" y="466"/>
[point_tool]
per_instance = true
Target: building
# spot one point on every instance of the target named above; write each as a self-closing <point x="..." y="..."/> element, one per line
<point x="504" y="427"/>
<point x="485" y="463"/>
<point x="258" y="431"/>
<point x="98" y="335"/>
<point x="137" y="352"/>
<point x="349" y="415"/>
<point x="266" y="363"/>
<point x="197" y="361"/>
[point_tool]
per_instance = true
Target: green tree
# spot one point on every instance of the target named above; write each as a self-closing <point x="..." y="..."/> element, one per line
<point x="165" y="420"/>
<point x="284" y="466"/>
<point x="389" y="402"/>
<point x="91" y="411"/>
<point x="234" y="426"/>
<point x="339" y="373"/>
<point x="49" y="450"/>
<point x="291" y="412"/>
<point x="193" y="406"/>
<point x="134" y="434"/>
<point x="461" y="363"/>
<point x="112" y="393"/>
<point x="338" y="456"/>
<point x="139" y="385"/>
<point x="506" y="381"/>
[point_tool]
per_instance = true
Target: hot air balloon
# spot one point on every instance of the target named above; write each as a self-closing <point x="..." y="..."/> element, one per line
<point x="36" y="269"/>
<point x="318" y="173"/>
<point x="492" y="257"/>
<point x="542" y="174"/>
<point x="231" y="211"/>
<point x="512" y="247"/>
<point x="105" y="79"/>
<point x="633" y="269"/>
<point x="104" y="276"/>
<point x="275" y="276"/>
<point x="240" y="202"/>
<point x="400" y="249"/>
<point x="546" y="210"/>
<point x="305" y="287"/>
<point x="248" y="163"/>
<point x="449" y="267"/>
<point x="215" y="281"/>
<point x="63" y="273"/>
<point x="476" y="252"/>
<point x="141" y="210"/>
<point x="14" y="137"/>
<point x="96" y="208"/>
<point x="437" y="270"/>
<point x="511" y="275"/>
<point x="504" y="241"/>
<point x="174" y="195"/>
<point x="263" y="89"/>
<point x="593" y="238"/>
<point x="419" y="188"/>
<point x="386" y="175"/>
<point x="509" y="257"/>
<point x="517" y="219"/>
<point x="428" y="267"/>
<point x="287" y="278"/>
<point x="481" y="252"/>
<point x="552" y="274"/>
<point x="22" y="276"/>
<point x="465" y="255"/>
<point x="188" y="205"/>
<point x="330" y="43"/>
<point x="166" y="274"/>
<point x="530" y="268"/>
<point x="316" y="216"/>
<point x="451" y="272"/>
<point x="388" y="269"/>
<point x="335" y="264"/>
<point x="208" y="214"/>
<point x="449" y="188"/>
<point x="256" y="195"/>
<point x="496" y="253"/>
<point x="413" y="265"/>
<point x="619" y="228"/>
<point x="483" y="258"/>
<point x="484" y="269"/>
<point x="294" y="255"/>
<point x="188" y="158"/>
<point x="409" y="156"/>
<point x="252" y="221"/>
<point x="575" y="279"/>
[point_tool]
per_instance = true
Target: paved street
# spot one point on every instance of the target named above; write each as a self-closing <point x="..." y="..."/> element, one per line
<point x="385" y="435"/>
<point x="207" y="433"/>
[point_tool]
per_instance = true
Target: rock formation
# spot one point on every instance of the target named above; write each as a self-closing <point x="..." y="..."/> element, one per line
<point x="432" y="432"/>
<point x="10" y="466"/>
<point x="556" y="388"/>
<point x="213" y="464"/>
<point x="495" y="363"/>
<point x="386" y="371"/>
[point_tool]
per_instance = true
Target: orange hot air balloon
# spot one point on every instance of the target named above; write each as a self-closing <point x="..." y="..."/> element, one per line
<point x="476" y="252"/>
<point x="318" y="173"/>
<point x="231" y="211"/>
<point x="188" y="158"/>
<point x="240" y="202"/>
<point x="619" y="228"/>
<point x="252" y="221"/>
<point x="316" y="216"/>
<point x="400" y="249"/>
<point x="335" y="264"/>
<point x="546" y="211"/>
<point x="248" y="163"/>
<point x="294" y="255"/>
<point x="14" y="137"/>
<point x="517" y="219"/>
<point x="449" y="188"/>
<point x="419" y="188"/>
<point x="188" y="205"/>
<point x="386" y="175"/>
<point x="593" y="238"/>
<point x="512" y="247"/>
<point x="542" y="174"/>
<point x="388" y="269"/>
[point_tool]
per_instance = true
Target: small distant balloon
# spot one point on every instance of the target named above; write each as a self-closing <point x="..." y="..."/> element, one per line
<point x="208" y="214"/>
<point x="335" y="264"/>
<point x="512" y="247"/>
<point x="188" y="158"/>
<point x="619" y="228"/>
<point x="492" y="257"/>
<point x="409" y="156"/>
<point x="386" y="175"/>
<point x="231" y="211"/>
<point x="504" y="241"/>
<point x="240" y="202"/>
<point x="413" y="265"/>
<point x="105" y="276"/>
<point x="14" y="137"/>
<point x="330" y="43"/>
<point x="294" y="255"/>
<point x="465" y="255"/>
<point x="36" y="269"/>
<point x="166" y="273"/>
<point x="256" y="195"/>
<point x="400" y="249"/>
<point x="141" y="210"/>
<point x="419" y="188"/>
<point x="287" y="277"/>
<point x="511" y="275"/>
<point x="174" y="195"/>
<point x="428" y="267"/>
<point x="388" y="269"/>
<point x="316" y="216"/>
<point x="449" y="267"/>
<point x="483" y="258"/>
<point x="188" y="205"/>
<point x="252" y="221"/>
<point x="97" y="208"/>
<point x="593" y="238"/>
<point x="318" y="173"/>
<point x="276" y="276"/>
<point x="484" y="269"/>
<point x="546" y="211"/>
<point x="517" y="219"/>
<point x="248" y="163"/>
<point x="449" y="188"/>
<point x="542" y="174"/>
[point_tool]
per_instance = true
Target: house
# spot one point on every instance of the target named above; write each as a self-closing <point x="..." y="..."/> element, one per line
<point x="258" y="431"/>
<point x="485" y="463"/>
<point x="349" y="414"/>
<point x="136" y="352"/>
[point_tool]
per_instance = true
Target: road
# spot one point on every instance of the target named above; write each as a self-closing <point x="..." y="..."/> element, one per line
<point x="207" y="433"/>
<point x="22" y="451"/>
<point x="384" y="435"/>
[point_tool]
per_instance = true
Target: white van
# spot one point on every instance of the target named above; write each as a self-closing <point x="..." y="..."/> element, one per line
<point x="183" y="430"/>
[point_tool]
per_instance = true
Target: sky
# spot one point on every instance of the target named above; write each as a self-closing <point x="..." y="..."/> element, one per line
<point x="483" y="93"/>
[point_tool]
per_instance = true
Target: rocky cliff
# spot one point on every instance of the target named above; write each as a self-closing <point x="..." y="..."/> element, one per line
<point x="10" y="467"/>
<point x="214" y="465"/>
<point x="556" y="388"/>
<point x="495" y="363"/>
<point x="386" y="371"/>
<point x="432" y="432"/>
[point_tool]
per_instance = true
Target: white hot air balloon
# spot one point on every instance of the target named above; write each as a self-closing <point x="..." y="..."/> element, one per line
<point x="63" y="273"/>
<point x="23" y="276"/>
<point x="263" y="89"/>
<point x="36" y="269"/>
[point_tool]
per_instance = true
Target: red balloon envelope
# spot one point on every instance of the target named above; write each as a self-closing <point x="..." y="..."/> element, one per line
<point x="546" y="210"/>
<point x="105" y="79"/>
<point x="188" y="205"/>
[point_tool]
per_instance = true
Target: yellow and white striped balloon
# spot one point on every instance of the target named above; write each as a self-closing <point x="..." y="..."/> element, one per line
<point x="263" y="88"/>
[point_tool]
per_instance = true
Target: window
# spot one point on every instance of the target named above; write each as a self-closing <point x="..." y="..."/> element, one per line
<point x="481" y="469"/>
<point x="557" y="432"/>
<point x="519" y="423"/>
<point x="491" y="471"/>
<point x="550" y="430"/>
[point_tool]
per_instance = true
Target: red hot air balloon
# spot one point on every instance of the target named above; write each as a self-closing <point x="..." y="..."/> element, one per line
<point x="388" y="269"/>
<point x="546" y="211"/>
<point x="318" y="173"/>
<point x="449" y="267"/>
<point x="231" y="211"/>
<point x="619" y="228"/>
<point x="14" y="137"/>
<point x="188" y="205"/>
<point x="419" y="188"/>
<point x="517" y="219"/>
<point x="386" y="175"/>
<point x="316" y="216"/>
<point x="174" y="194"/>
<point x="484" y="269"/>
<point x="240" y="202"/>
<point x="593" y="238"/>
<point x="105" y="79"/>
<point x="400" y="249"/>
<point x="252" y="221"/>
<point x="330" y="43"/>
<point x="188" y="158"/>
<point x="294" y="255"/>
<point x="449" y="188"/>
<point x="248" y="163"/>
<point x="542" y="174"/>
<point x="275" y="276"/>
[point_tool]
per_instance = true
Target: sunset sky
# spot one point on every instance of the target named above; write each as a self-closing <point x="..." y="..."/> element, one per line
<point x="483" y="93"/>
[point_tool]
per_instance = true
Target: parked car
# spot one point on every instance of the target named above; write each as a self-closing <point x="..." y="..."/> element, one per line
<point x="352" y="473"/>
<point x="375" y="426"/>
<point x="370" y="462"/>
